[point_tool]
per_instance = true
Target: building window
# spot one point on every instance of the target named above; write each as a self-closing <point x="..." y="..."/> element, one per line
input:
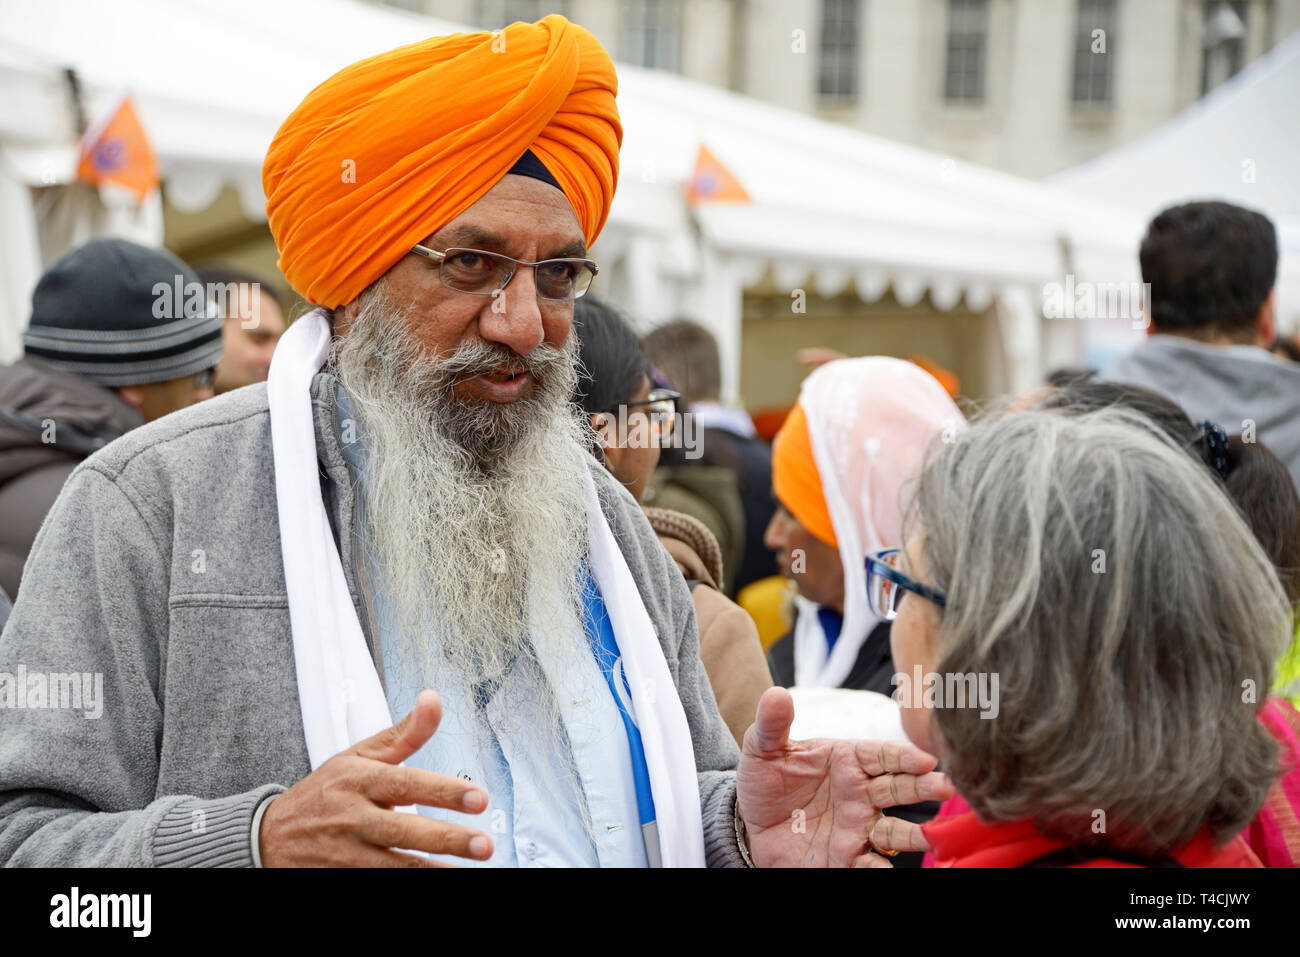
<point x="838" y="69"/>
<point x="651" y="33"/>
<point x="1223" y="42"/>
<point x="1094" y="52"/>
<point x="493" y="14"/>
<point x="968" y="31"/>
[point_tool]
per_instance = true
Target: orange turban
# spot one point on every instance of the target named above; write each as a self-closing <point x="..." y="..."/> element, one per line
<point x="795" y="479"/>
<point x="391" y="149"/>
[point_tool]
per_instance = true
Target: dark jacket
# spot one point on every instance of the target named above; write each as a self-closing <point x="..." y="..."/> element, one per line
<point x="751" y="460"/>
<point x="49" y="421"/>
<point x="873" y="670"/>
<point x="708" y="495"/>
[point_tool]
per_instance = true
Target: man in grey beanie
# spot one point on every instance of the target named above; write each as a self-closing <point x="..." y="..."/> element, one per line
<point x="120" y="335"/>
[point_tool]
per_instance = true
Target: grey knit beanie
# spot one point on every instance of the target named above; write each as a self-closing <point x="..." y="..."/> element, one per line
<point x="119" y="314"/>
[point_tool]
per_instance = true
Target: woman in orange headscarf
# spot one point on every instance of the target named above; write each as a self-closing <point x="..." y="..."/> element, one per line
<point x="840" y="464"/>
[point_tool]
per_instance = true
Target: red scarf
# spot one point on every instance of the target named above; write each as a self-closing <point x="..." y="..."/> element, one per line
<point x="1271" y="840"/>
<point x="962" y="840"/>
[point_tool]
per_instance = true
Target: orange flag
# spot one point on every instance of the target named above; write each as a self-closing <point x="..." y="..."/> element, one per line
<point x="116" y="150"/>
<point x="711" y="181"/>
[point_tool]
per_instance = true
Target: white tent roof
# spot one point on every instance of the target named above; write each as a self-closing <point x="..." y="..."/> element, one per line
<point x="1240" y="143"/>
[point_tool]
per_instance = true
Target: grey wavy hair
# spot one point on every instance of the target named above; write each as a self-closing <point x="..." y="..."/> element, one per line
<point x="1128" y="611"/>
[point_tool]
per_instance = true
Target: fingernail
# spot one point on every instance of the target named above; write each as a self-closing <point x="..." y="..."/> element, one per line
<point x="480" y="846"/>
<point x="474" y="801"/>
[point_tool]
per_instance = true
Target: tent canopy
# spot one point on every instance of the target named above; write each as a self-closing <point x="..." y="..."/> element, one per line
<point x="1240" y="143"/>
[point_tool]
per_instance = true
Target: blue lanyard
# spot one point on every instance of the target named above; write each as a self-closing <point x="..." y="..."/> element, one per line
<point x="600" y="632"/>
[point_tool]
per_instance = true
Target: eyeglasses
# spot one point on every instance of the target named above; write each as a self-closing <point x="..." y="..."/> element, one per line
<point x="886" y="584"/>
<point x="661" y="405"/>
<point x="481" y="273"/>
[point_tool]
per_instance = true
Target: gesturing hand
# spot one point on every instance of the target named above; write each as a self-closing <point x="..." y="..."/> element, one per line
<point x="816" y="803"/>
<point x="341" y="815"/>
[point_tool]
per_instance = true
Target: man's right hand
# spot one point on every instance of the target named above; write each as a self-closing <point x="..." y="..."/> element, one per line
<point x="341" y="815"/>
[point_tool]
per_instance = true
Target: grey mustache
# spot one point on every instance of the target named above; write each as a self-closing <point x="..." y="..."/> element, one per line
<point x="479" y="359"/>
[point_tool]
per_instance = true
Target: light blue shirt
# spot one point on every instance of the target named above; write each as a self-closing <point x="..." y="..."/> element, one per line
<point x="493" y="737"/>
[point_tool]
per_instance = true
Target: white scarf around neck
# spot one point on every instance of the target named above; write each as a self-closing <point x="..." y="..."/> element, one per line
<point x="339" y="691"/>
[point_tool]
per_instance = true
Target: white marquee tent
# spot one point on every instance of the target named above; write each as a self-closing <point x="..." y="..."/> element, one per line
<point x="212" y="80"/>
<point x="1240" y="143"/>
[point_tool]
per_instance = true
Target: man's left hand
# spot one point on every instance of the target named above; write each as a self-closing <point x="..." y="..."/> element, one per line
<point x="817" y="803"/>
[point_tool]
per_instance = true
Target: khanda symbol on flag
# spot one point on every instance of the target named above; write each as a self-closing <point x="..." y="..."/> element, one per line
<point x="711" y="181"/>
<point x="116" y="150"/>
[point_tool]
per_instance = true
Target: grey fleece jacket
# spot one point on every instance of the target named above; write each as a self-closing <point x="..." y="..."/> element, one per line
<point x="159" y="568"/>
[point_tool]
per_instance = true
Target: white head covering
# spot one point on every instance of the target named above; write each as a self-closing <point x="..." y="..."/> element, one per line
<point x="871" y="421"/>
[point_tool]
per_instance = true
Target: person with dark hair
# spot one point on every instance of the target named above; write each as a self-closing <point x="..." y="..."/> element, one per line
<point x="119" y="336"/>
<point x="1210" y="269"/>
<point x="1066" y="375"/>
<point x="614" y="386"/>
<point x="254" y="317"/>
<point x="687" y="353"/>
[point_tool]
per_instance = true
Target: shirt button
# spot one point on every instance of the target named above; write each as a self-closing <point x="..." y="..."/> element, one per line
<point x="531" y="851"/>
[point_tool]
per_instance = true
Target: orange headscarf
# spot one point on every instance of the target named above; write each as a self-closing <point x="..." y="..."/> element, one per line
<point x="795" y="479"/>
<point x="391" y="149"/>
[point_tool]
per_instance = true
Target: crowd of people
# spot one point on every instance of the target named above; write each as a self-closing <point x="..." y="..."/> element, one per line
<point x="448" y="554"/>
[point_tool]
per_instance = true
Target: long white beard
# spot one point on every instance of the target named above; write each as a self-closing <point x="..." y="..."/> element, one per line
<point x="476" y="513"/>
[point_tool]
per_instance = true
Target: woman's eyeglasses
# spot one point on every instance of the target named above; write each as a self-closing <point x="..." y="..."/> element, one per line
<point x="886" y="584"/>
<point x="481" y="273"/>
<point x="661" y="410"/>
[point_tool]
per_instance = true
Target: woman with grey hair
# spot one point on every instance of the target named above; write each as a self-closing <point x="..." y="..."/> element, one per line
<point x="1091" y="574"/>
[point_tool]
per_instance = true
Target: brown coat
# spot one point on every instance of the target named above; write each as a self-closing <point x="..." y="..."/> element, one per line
<point x="729" y="646"/>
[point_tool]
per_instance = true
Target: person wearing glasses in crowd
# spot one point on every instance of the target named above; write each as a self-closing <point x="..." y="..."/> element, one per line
<point x="731" y="468"/>
<point x="842" y="464"/>
<point x="406" y="523"/>
<point x="633" y="422"/>
<point x="1078" y="558"/>
<point x="102" y="355"/>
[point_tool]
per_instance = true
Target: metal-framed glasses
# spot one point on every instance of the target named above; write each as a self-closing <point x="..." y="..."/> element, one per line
<point x="661" y="410"/>
<point x="481" y="273"/>
<point x="886" y="584"/>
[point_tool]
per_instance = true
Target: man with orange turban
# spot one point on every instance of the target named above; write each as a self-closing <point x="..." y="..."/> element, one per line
<point x="266" y="581"/>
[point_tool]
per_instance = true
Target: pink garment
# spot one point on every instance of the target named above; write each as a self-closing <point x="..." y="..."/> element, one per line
<point x="1274" y="834"/>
